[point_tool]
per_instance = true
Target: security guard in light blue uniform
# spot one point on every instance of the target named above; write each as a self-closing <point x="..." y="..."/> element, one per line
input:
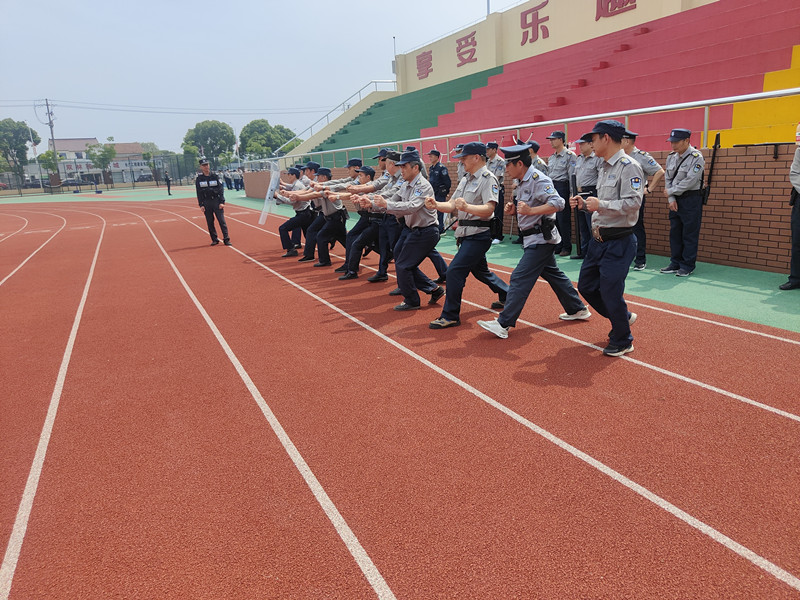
<point x="537" y="203"/>
<point x="614" y="210"/>
<point x="560" y="166"/>
<point x="682" y="183"/>
<point x="422" y="231"/>
<point x="474" y="199"/>
<point x="303" y="216"/>
<point x="211" y="199"/>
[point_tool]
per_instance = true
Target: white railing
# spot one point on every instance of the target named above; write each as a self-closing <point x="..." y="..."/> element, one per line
<point x="626" y="114"/>
<point x="340" y="108"/>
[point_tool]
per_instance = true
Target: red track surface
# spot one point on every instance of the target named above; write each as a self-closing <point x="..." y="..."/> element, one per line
<point x="163" y="478"/>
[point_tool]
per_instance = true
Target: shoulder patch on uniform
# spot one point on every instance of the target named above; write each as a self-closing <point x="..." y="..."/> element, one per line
<point x="536" y="176"/>
<point x="418" y="192"/>
<point x="550" y="190"/>
<point x="625" y="160"/>
<point x="698" y="167"/>
<point x="486" y="174"/>
<point x="636" y="183"/>
<point x="495" y="189"/>
<point x="695" y="154"/>
<point x="652" y="161"/>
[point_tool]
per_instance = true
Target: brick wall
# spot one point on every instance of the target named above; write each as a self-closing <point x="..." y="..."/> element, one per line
<point x="746" y="220"/>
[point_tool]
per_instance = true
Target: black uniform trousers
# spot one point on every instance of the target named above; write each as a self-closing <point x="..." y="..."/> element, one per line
<point x="641" y="237"/>
<point x="355" y="231"/>
<point x="368" y="237"/>
<point x="794" y="270"/>
<point x="499" y="212"/>
<point x="214" y="209"/>
<point x="311" y="235"/>
<point x="299" y="222"/>
<point x="564" y="217"/>
<point x="416" y="246"/>
<point x="684" y="230"/>
<point x="333" y="229"/>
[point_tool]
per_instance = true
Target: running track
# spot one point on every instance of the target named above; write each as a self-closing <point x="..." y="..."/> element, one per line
<point x="180" y="421"/>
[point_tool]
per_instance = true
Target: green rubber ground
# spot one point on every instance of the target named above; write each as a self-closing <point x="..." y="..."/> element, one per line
<point x="744" y="294"/>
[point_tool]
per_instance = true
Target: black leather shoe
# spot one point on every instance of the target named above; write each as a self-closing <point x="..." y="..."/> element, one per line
<point x="436" y="294"/>
<point x="341" y="269"/>
<point x="214" y="243"/>
<point x="517" y="241"/>
<point x="305" y="259"/>
<point x="441" y="279"/>
<point x="789" y="286"/>
<point x="396" y="292"/>
<point x="348" y="275"/>
<point x="498" y="305"/>
<point x="378" y="278"/>
<point x="322" y="264"/>
<point x="289" y="253"/>
<point x="227" y="242"/>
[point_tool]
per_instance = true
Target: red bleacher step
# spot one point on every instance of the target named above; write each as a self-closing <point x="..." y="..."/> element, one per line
<point x="623" y="48"/>
<point x="601" y="65"/>
<point x="559" y="101"/>
<point x="579" y="84"/>
<point x="641" y="31"/>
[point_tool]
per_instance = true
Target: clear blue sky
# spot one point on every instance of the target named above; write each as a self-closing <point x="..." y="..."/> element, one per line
<point x="289" y="66"/>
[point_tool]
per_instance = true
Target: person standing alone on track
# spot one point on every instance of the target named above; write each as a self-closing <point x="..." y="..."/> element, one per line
<point x="168" y="183"/>
<point x="211" y="199"/>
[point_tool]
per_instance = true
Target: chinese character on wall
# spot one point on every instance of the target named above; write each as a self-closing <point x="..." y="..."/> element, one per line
<point x="424" y="64"/>
<point x="466" y="47"/>
<point x="609" y="8"/>
<point x="531" y="23"/>
<point x="69" y="167"/>
<point x="115" y="165"/>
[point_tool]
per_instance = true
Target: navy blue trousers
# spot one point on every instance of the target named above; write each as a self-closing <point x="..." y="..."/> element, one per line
<point x="417" y="245"/>
<point x="470" y="258"/>
<point x="333" y="229"/>
<point x="602" y="283"/>
<point x="641" y="237"/>
<point x="311" y="235"/>
<point x="794" y="270"/>
<point x="537" y="260"/>
<point x="387" y="238"/>
<point x="355" y="231"/>
<point x="433" y="255"/>
<point x="564" y="217"/>
<point x="368" y="236"/>
<point x="684" y="230"/>
<point x="299" y="222"/>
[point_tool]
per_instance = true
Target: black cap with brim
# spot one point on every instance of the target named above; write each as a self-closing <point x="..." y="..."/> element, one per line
<point x="630" y="135"/>
<point x="393" y="155"/>
<point x="382" y="154"/>
<point x="512" y="152"/>
<point x="611" y="127"/>
<point x="434" y="153"/>
<point x="293" y="171"/>
<point x="324" y="171"/>
<point x="472" y="148"/>
<point x="367" y="170"/>
<point x="203" y="161"/>
<point x="557" y="135"/>
<point x="312" y="165"/>
<point x="676" y="135"/>
<point x="354" y="162"/>
<point x="407" y="157"/>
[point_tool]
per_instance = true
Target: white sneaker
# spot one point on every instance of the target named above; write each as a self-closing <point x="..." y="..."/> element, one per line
<point x="581" y="315"/>
<point x="494" y="327"/>
<point x="495" y="241"/>
<point x="632" y="318"/>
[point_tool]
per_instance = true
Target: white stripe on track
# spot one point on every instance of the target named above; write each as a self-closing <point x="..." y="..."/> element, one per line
<point x="346" y="534"/>
<point x="657" y="369"/>
<point x="22" y="264"/>
<point x="12" y="234"/>
<point x="697" y="524"/>
<point x="642" y="304"/>
<point x="14" y="547"/>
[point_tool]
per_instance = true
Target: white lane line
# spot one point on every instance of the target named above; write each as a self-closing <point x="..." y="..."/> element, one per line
<point x="12" y="234"/>
<point x="47" y="241"/>
<point x="662" y="503"/>
<point x="346" y="534"/>
<point x="657" y="369"/>
<point x="14" y="547"/>
<point x="642" y="304"/>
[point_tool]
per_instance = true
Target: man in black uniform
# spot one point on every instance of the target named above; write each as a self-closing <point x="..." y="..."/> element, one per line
<point x="440" y="181"/>
<point x="211" y="199"/>
<point x="167" y="181"/>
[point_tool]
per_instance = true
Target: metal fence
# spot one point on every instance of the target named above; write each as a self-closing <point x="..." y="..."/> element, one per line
<point x="338" y="157"/>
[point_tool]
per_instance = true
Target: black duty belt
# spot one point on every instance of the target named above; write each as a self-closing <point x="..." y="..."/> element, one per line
<point x="473" y="223"/>
<point x="304" y="211"/>
<point x="363" y="213"/>
<point x="376" y="216"/>
<point x="688" y="194"/>
<point x="532" y="231"/>
<point x="606" y="234"/>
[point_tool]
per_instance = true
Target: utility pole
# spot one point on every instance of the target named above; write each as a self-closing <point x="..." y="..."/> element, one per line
<point x="52" y="136"/>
